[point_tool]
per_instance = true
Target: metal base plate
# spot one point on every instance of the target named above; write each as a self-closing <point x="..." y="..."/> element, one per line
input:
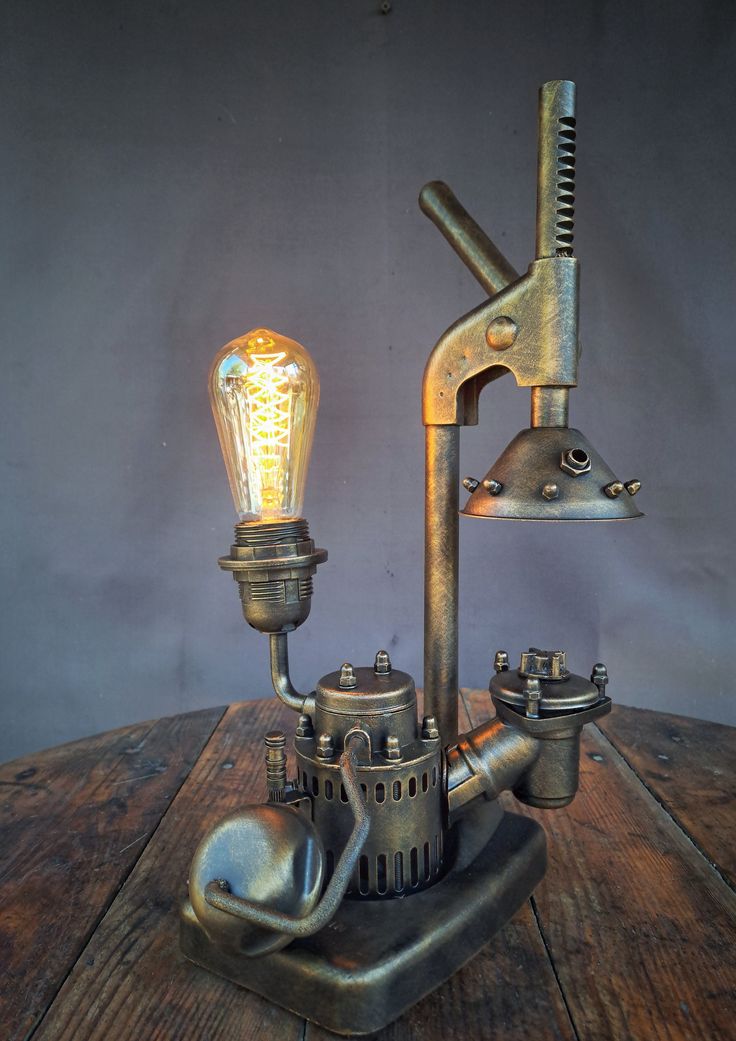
<point x="378" y="958"/>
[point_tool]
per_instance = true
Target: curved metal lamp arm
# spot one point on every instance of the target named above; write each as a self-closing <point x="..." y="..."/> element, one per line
<point x="278" y="921"/>
<point x="280" y="678"/>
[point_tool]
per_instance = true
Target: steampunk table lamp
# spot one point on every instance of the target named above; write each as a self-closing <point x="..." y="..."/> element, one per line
<point x="386" y="861"/>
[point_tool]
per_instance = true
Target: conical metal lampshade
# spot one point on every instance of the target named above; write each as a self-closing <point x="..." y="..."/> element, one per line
<point x="552" y="473"/>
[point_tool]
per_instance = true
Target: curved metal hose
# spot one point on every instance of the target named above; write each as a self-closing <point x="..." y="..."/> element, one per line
<point x="278" y="921"/>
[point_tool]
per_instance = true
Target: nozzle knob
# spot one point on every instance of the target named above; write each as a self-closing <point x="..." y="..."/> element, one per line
<point x="546" y="665"/>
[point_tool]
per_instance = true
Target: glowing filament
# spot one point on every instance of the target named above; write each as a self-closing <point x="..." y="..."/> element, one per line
<point x="267" y="394"/>
<point x="264" y="391"/>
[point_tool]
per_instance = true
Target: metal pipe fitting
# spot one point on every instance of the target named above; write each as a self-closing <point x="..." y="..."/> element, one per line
<point x="562" y="704"/>
<point x="550" y="406"/>
<point x="485" y="762"/>
<point x="281" y="680"/>
<point x="276" y="765"/>
<point x="552" y="781"/>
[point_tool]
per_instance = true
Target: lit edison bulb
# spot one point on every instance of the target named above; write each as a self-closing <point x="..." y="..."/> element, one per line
<point x="264" y="391"/>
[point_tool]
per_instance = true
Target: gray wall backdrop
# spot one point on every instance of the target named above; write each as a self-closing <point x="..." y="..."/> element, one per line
<point x="175" y="173"/>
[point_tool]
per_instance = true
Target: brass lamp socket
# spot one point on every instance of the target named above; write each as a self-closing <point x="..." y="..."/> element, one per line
<point x="273" y="564"/>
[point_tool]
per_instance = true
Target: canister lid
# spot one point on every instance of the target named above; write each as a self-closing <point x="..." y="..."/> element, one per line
<point x="372" y="693"/>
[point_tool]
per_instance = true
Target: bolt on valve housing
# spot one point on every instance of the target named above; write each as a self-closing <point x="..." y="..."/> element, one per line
<point x="550" y="703"/>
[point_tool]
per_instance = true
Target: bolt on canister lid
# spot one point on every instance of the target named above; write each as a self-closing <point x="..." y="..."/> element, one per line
<point x="382" y="664"/>
<point x="365" y="691"/>
<point x="347" y="675"/>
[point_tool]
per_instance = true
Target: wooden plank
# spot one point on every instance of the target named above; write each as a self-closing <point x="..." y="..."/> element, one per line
<point x="690" y="767"/>
<point x="131" y="981"/>
<point x="508" y="992"/>
<point x="73" y="822"/>
<point x="640" y="928"/>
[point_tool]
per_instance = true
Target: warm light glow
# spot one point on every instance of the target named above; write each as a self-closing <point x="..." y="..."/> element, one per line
<point x="265" y="392"/>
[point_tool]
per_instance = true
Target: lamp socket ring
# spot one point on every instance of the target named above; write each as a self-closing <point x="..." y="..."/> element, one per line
<point x="273" y="565"/>
<point x="244" y="563"/>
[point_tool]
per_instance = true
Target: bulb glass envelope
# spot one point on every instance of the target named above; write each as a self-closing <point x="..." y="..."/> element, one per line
<point x="264" y="392"/>
<point x="551" y="473"/>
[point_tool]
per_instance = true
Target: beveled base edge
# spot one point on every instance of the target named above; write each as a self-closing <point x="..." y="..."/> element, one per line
<point x="378" y="958"/>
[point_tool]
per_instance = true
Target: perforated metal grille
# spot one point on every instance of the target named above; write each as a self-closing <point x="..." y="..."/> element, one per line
<point x="404" y="849"/>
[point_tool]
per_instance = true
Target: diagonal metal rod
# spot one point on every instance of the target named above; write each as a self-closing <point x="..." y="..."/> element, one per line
<point x="479" y="254"/>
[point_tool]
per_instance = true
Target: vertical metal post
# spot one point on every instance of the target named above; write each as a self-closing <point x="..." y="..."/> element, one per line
<point x="493" y="272"/>
<point x="550" y="406"/>
<point x="441" y="535"/>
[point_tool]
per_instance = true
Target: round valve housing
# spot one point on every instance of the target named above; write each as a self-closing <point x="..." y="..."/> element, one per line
<point x="545" y="674"/>
<point x="399" y="769"/>
<point x="550" y="703"/>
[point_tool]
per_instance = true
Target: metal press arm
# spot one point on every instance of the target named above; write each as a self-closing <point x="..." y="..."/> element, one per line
<point x="528" y="328"/>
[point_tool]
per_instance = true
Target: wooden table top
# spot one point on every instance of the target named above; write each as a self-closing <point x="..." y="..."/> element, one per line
<point x="632" y="934"/>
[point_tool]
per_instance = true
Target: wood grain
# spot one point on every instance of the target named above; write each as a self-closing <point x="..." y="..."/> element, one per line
<point x="690" y="767"/>
<point x="131" y="982"/>
<point x="630" y="936"/>
<point x="73" y="822"/>
<point x="508" y="991"/>
<point x="641" y="930"/>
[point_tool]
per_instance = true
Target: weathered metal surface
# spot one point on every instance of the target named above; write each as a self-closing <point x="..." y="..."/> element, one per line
<point x="534" y="460"/>
<point x="543" y="304"/>
<point x="409" y="842"/>
<point x="378" y="958"/>
<point x="400" y="771"/>
<point x="479" y="254"/>
<point x="556" y="169"/>
<point x="529" y="328"/>
<point x="626" y="889"/>
<point x="268" y="853"/>
<point x="273" y="564"/>
<point x="441" y="569"/>
<point x="280" y="876"/>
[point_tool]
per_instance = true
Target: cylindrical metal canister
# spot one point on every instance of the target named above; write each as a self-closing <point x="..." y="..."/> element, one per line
<point x="400" y="774"/>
